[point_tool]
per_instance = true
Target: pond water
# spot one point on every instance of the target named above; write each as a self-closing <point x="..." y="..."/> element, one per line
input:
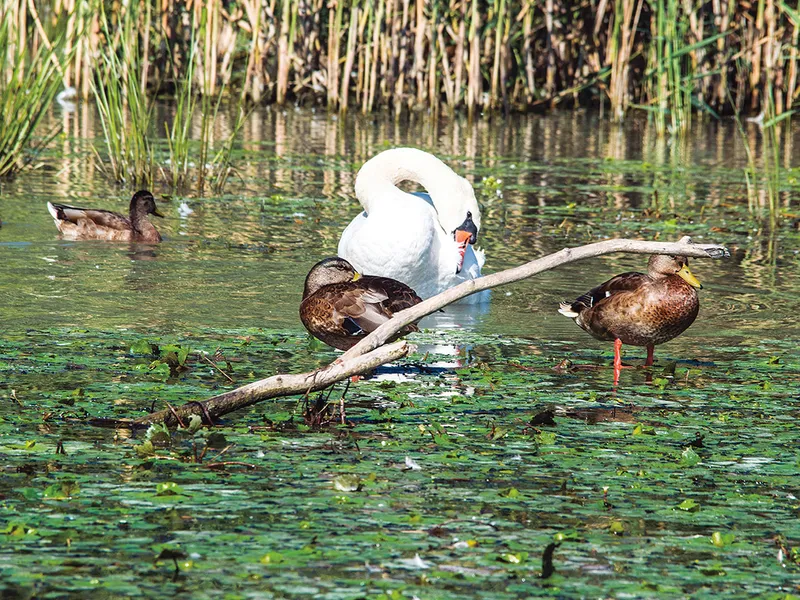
<point x="681" y="483"/>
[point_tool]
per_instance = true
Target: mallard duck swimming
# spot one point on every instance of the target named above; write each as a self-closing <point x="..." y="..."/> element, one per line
<point x="340" y="306"/>
<point x="92" y="224"/>
<point x="639" y="309"/>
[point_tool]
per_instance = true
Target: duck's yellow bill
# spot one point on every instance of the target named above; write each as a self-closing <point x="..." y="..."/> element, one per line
<point x="687" y="276"/>
<point x="357" y="276"/>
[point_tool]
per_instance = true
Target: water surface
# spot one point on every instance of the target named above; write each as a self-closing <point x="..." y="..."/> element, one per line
<point x="493" y="489"/>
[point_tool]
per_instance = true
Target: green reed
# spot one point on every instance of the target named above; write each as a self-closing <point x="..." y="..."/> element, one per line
<point x="179" y="132"/>
<point x="671" y="57"/>
<point x="27" y="89"/>
<point x="120" y="90"/>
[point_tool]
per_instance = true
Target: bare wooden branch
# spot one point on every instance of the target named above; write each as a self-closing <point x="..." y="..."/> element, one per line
<point x="280" y="385"/>
<point x="370" y="353"/>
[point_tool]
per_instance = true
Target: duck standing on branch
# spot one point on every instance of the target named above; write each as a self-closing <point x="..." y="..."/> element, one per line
<point x="424" y="240"/>
<point x="92" y="224"/>
<point x="340" y="306"/>
<point x="639" y="309"/>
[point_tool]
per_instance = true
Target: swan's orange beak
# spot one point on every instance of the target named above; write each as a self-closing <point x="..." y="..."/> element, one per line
<point x="462" y="239"/>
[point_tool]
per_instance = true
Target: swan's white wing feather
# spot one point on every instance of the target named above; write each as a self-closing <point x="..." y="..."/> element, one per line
<point x="402" y="237"/>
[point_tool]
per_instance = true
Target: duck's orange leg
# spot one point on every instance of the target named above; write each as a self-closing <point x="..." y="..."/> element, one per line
<point x="617" y="360"/>
<point x="649" y="361"/>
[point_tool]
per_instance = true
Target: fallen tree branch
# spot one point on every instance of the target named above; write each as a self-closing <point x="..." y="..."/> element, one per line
<point x="279" y="385"/>
<point x="684" y="247"/>
<point x="370" y="353"/>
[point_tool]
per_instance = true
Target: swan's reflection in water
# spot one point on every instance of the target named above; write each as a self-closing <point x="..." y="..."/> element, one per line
<point x="459" y="315"/>
<point x="453" y="316"/>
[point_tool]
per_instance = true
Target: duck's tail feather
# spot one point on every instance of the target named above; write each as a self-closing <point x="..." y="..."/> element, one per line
<point x="53" y="210"/>
<point x="567" y="309"/>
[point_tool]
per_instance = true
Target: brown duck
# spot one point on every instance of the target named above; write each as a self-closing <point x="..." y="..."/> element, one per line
<point x="92" y="224"/>
<point x="639" y="309"/>
<point x="340" y="306"/>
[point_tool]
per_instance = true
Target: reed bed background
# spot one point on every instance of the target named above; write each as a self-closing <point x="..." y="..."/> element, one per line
<point x="669" y="57"/>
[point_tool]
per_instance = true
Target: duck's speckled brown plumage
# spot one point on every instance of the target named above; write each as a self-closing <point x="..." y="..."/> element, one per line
<point x="340" y="311"/>
<point x="639" y="309"/>
<point x="93" y="224"/>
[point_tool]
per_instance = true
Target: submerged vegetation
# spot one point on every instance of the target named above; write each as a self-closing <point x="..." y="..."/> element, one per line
<point x="452" y="483"/>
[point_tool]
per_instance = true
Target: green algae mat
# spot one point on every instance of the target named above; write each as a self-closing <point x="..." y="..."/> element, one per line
<point x="455" y="473"/>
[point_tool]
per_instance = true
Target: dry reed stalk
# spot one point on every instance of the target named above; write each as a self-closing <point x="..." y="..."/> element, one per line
<point x="212" y="42"/>
<point x="417" y="68"/>
<point x="449" y="85"/>
<point x="755" y="60"/>
<point x="228" y="35"/>
<point x="46" y="42"/>
<point x="366" y="56"/>
<point x="282" y="79"/>
<point x="432" y="67"/>
<point x="376" y="45"/>
<point x="722" y="21"/>
<point x="527" y="51"/>
<point x="359" y="51"/>
<point x="401" y="62"/>
<point x="385" y="53"/>
<point x="349" y="58"/>
<point x="498" y="38"/>
<point x="254" y="58"/>
<point x="335" y="28"/>
<point x="474" y="62"/>
<point x="11" y="12"/>
<point x="390" y="52"/>
<point x="792" y="83"/>
<point x="458" y="57"/>
<point x="550" y="80"/>
<point x="69" y="9"/>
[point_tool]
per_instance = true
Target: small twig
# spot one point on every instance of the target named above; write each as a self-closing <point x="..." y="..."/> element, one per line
<point x="224" y="450"/>
<point x="176" y="415"/>
<point x="213" y="364"/>
<point x="225" y="463"/>
<point x="209" y="421"/>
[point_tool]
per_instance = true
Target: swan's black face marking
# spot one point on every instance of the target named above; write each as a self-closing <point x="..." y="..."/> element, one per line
<point x="464" y="234"/>
<point x="467" y="227"/>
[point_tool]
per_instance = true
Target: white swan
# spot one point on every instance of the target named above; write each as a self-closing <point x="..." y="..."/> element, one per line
<point x="423" y="240"/>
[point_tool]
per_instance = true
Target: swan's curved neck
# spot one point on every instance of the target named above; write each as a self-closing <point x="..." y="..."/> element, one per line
<point x="376" y="182"/>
